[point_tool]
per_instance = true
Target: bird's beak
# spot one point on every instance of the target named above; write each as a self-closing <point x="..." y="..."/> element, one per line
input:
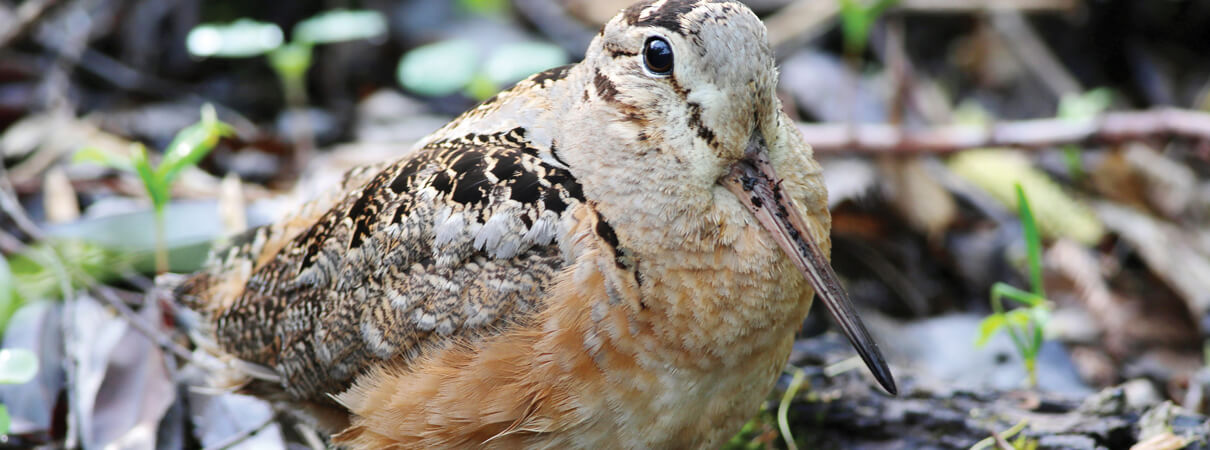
<point x="758" y="188"/>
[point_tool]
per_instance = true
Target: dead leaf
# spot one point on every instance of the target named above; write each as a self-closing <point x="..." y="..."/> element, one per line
<point x="123" y="383"/>
<point x="1114" y="178"/>
<point x="1165" y="441"/>
<point x="234" y="421"/>
<point x="1168" y="252"/>
<point x="1057" y="214"/>
<point x="1170" y="185"/>
<point x="923" y="202"/>
<point x="59" y="197"/>
<point x="35" y="327"/>
<point x="232" y="208"/>
<point x="847" y="178"/>
<point x="45" y="138"/>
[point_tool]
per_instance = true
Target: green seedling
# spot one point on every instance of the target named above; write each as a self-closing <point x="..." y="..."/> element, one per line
<point x="51" y="269"/>
<point x="487" y="8"/>
<point x="1081" y="107"/>
<point x="1021" y="442"/>
<point x="447" y="67"/>
<point x="453" y="66"/>
<point x="289" y="60"/>
<point x="17" y="366"/>
<point x="188" y="148"/>
<point x="245" y="38"/>
<point x="1026" y="325"/>
<point x="856" y="18"/>
<point x="9" y="300"/>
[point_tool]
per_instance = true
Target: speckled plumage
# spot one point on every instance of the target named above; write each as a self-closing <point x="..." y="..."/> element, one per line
<point x="601" y="256"/>
<point x="454" y="240"/>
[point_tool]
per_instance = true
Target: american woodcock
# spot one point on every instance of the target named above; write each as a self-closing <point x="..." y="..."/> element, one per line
<point x="615" y="253"/>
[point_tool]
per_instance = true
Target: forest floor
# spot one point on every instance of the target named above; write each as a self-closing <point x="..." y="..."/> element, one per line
<point x="926" y="117"/>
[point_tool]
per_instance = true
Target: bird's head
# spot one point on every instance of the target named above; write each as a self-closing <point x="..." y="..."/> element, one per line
<point x="677" y="124"/>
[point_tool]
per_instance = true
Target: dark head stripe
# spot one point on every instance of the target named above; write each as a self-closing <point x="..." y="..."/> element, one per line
<point x="606" y="90"/>
<point x="670" y="15"/>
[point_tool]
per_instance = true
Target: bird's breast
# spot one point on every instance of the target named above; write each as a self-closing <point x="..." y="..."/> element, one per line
<point x="712" y="330"/>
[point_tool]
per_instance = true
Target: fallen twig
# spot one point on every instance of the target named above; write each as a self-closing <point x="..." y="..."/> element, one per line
<point x="1036" y="133"/>
<point x="802" y="20"/>
<point x="983" y="5"/>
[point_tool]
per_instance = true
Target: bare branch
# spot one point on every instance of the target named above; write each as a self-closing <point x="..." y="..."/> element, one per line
<point x="966" y="6"/>
<point x="1036" y="133"/>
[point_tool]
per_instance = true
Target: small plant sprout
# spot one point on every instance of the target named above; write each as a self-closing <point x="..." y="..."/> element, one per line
<point x="1081" y="107"/>
<point x="289" y="60"/>
<point x="452" y="66"/>
<point x="9" y="300"/>
<point x="856" y="17"/>
<point x="1026" y="325"/>
<point x="188" y="148"/>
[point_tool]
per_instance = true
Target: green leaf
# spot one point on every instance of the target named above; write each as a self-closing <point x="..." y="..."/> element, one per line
<point x="1024" y="297"/>
<point x="291" y="60"/>
<point x="855" y="21"/>
<point x="1039" y="316"/>
<point x="36" y="278"/>
<point x="853" y="25"/>
<point x="1036" y="344"/>
<point x="1079" y="107"/>
<point x="191" y="145"/>
<point x="240" y="39"/>
<point x="437" y="69"/>
<point x="513" y="62"/>
<point x="988" y="328"/>
<point x="1019" y="318"/>
<point x="1086" y="105"/>
<point x="340" y="25"/>
<point x="101" y="157"/>
<point x="151" y="181"/>
<point x="1033" y="243"/>
<point x="5" y="420"/>
<point x="17" y="365"/>
<point x="490" y="8"/>
<point x="1056" y="213"/>
<point x="480" y="88"/>
<point x="9" y="300"/>
<point x="1075" y="165"/>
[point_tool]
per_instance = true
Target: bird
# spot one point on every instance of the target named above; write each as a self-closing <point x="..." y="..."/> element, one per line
<point x="615" y="253"/>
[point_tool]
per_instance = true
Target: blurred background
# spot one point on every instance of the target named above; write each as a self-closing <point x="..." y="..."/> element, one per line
<point x="1020" y="193"/>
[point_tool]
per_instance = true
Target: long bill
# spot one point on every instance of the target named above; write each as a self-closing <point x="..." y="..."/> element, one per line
<point x="758" y="188"/>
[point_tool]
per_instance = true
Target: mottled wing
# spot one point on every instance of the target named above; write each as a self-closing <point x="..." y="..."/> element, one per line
<point x="454" y="241"/>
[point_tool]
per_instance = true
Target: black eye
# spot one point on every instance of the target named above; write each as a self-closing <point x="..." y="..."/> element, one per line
<point x="657" y="55"/>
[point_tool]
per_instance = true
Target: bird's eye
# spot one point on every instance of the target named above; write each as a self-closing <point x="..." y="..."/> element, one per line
<point x="657" y="56"/>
